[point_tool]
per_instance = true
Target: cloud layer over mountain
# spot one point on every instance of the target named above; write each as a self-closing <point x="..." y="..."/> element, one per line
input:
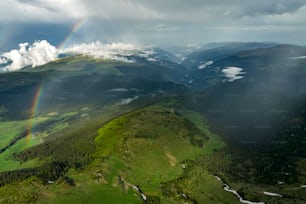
<point x="42" y="52"/>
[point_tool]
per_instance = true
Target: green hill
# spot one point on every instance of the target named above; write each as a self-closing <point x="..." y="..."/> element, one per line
<point x="148" y="148"/>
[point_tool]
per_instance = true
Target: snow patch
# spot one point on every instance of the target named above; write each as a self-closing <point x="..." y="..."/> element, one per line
<point x="203" y="66"/>
<point x="118" y="90"/>
<point x="150" y="59"/>
<point x="300" y="57"/>
<point x="233" y="73"/>
<point x="146" y="53"/>
<point x="126" y="101"/>
<point x="123" y="90"/>
<point x="182" y="59"/>
<point x="272" y="194"/>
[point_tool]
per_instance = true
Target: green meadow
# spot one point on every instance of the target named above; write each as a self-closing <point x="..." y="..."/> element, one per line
<point x="35" y="130"/>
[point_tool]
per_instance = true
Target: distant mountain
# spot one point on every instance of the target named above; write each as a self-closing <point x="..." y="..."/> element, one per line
<point x="81" y="79"/>
<point x="218" y="51"/>
<point x="262" y="84"/>
<point x="164" y="55"/>
<point x="182" y="51"/>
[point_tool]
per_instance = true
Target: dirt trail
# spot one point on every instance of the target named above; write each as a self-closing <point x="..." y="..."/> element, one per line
<point x="172" y="159"/>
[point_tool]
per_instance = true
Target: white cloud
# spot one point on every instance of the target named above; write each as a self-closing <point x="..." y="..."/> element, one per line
<point x="122" y="9"/>
<point x="233" y="73"/>
<point x="114" y="51"/>
<point x="3" y="60"/>
<point x="146" y="53"/>
<point x="165" y="22"/>
<point x="42" y="52"/>
<point x="207" y="11"/>
<point x="41" y="10"/>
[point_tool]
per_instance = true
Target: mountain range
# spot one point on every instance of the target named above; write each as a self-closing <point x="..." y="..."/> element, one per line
<point x="188" y="125"/>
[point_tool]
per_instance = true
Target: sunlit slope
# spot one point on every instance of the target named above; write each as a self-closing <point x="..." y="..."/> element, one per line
<point x="147" y="148"/>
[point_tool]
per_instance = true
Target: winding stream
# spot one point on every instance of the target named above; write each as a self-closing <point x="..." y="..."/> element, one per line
<point x="228" y="189"/>
<point x="135" y="188"/>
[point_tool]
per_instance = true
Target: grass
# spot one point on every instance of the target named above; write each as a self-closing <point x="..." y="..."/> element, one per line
<point x="153" y="145"/>
<point x="292" y="193"/>
<point x="22" y="192"/>
<point x="148" y="148"/>
<point x="32" y="189"/>
<point x="12" y="129"/>
<point x="89" y="189"/>
<point x="196" y="181"/>
<point x="77" y="64"/>
<point x="9" y="130"/>
<point x="109" y="136"/>
<point x="201" y="186"/>
<point x="8" y="163"/>
<point x="156" y="162"/>
<point x="93" y="193"/>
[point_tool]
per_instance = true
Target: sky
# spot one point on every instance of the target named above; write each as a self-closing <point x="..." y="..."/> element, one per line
<point x="147" y="22"/>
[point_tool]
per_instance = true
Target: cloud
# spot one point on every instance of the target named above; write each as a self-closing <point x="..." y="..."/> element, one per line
<point x="42" y="52"/>
<point x="41" y="10"/>
<point x="123" y="10"/>
<point x="233" y="73"/>
<point x="166" y="22"/>
<point x="159" y="11"/>
<point x="113" y="51"/>
<point x="98" y="49"/>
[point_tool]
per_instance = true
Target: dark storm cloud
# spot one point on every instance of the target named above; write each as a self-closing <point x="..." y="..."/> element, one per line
<point x="169" y="21"/>
<point x="189" y="10"/>
<point x="165" y="10"/>
<point x="38" y="3"/>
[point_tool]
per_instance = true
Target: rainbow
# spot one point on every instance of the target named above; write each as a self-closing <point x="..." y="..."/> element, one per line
<point x="39" y="91"/>
<point x="74" y="29"/>
<point x="34" y="110"/>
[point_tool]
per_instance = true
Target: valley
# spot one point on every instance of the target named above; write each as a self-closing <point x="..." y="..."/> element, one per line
<point x="227" y="125"/>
